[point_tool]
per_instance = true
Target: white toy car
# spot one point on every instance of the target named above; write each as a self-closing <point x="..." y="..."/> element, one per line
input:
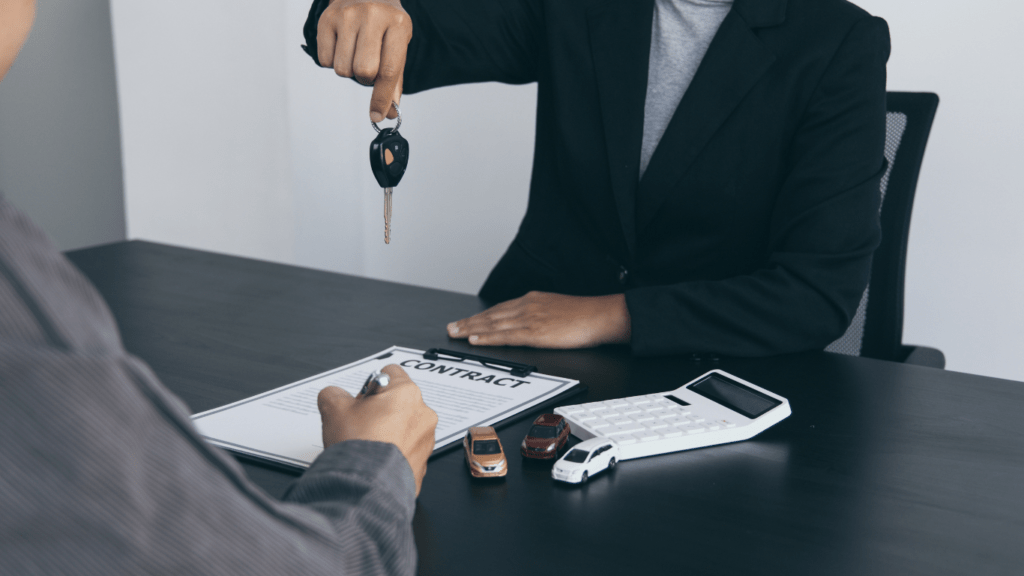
<point x="586" y="459"/>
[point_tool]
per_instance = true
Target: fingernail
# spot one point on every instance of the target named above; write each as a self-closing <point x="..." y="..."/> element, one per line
<point x="452" y="328"/>
<point x="376" y="116"/>
<point x="474" y="338"/>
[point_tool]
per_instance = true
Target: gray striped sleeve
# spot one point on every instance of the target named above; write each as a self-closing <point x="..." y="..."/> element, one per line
<point x="101" y="471"/>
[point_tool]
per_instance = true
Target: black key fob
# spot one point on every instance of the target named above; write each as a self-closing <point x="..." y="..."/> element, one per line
<point x="389" y="155"/>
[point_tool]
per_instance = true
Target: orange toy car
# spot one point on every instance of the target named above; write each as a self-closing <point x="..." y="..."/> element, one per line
<point x="546" y="437"/>
<point x="484" y="454"/>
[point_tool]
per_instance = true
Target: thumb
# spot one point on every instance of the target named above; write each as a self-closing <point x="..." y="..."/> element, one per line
<point x="333" y="399"/>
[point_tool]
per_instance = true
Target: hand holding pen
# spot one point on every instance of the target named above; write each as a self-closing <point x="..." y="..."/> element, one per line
<point x="389" y="409"/>
<point x="376" y="382"/>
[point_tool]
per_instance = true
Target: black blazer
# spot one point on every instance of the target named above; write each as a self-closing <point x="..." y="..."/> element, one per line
<point x="752" y="230"/>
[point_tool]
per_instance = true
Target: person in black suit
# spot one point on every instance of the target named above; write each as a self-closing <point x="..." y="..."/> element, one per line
<point x="751" y="229"/>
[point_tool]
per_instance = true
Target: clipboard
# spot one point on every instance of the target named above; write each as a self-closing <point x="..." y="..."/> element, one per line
<point x="281" y="427"/>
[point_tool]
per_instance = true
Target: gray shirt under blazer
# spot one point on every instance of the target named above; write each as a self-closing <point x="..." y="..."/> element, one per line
<point x="681" y="32"/>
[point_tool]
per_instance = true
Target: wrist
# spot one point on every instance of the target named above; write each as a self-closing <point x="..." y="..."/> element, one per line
<point x="615" y="321"/>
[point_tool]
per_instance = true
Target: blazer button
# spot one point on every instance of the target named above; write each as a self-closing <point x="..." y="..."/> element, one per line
<point x="623" y="275"/>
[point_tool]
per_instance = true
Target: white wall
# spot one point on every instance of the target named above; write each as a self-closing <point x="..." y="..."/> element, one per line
<point x="204" y="126"/>
<point x="965" y="269"/>
<point x="235" y="142"/>
<point x="60" y="151"/>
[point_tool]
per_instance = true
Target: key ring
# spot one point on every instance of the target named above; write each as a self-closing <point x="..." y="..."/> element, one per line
<point x="399" y="112"/>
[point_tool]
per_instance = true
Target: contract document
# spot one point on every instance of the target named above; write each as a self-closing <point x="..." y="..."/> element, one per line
<point x="283" y="425"/>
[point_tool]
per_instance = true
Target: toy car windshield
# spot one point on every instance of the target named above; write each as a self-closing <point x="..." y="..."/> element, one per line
<point x="577" y="456"/>
<point x="486" y="447"/>
<point x="542" y="432"/>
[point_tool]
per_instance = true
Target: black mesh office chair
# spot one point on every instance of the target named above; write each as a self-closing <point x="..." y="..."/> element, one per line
<point x="877" y="327"/>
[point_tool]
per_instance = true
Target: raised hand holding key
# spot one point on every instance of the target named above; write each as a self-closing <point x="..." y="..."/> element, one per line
<point x="389" y="156"/>
<point x="367" y="40"/>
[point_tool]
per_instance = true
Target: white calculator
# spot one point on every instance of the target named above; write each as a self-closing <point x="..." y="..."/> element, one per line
<point x="715" y="408"/>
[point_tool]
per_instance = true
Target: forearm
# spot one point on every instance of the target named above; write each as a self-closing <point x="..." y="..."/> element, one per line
<point x="751" y="316"/>
<point x="366" y="491"/>
<point x="615" y="320"/>
<point x="464" y="41"/>
<point x="461" y="41"/>
<point x="802" y="298"/>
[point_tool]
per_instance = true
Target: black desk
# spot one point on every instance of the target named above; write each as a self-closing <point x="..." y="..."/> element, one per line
<point x="882" y="469"/>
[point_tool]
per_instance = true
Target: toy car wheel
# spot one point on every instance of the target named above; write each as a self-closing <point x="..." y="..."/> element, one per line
<point x="584" y="478"/>
<point x="612" y="463"/>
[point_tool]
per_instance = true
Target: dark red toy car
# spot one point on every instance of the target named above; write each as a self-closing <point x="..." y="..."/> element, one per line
<point x="547" y="436"/>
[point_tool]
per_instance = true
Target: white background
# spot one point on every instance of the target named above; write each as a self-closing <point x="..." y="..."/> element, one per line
<point x="60" y="150"/>
<point x="234" y="142"/>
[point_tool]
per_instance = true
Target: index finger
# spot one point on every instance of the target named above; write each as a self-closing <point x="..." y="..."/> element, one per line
<point x="399" y="377"/>
<point x="389" y="74"/>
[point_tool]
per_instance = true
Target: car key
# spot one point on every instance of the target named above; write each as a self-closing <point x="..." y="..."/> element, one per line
<point x="389" y="156"/>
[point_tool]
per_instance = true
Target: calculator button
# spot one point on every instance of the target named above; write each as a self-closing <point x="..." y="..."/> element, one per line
<point x="696" y="418"/>
<point x="651" y="407"/>
<point x="630" y="410"/>
<point x="616" y="420"/>
<point x="661" y="413"/>
<point x="640" y="400"/>
<point x="598" y="424"/>
<point x="623" y="429"/>
<point x="570" y="410"/>
<point x="585" y="417"/>
<point x="616" y="403"/>
<point x="671" y="432"/>
<point x="656" y="424"/>
<point x="712" y="425"/>
<point x="626" y="440"/>
<point x="674" y="418"/>
<point x="647" y="435"/>
<point x="691" y="428"/>
<point x="644" y="417"/>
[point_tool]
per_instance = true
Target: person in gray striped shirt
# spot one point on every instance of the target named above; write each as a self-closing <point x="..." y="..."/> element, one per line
<point x="101" y="471"/>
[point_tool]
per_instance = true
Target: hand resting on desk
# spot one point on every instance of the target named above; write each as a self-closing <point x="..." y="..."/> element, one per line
<point x="396" y="415"/>
<point x="547" y="320"/>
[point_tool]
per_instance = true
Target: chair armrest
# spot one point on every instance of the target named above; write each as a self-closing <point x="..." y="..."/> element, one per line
<point x="924" y="356"/>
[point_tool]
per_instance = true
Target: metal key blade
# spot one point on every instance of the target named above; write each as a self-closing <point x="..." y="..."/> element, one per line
<point x="387" y="215"/>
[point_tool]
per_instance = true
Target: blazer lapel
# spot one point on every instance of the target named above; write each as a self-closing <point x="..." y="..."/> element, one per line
<point x="734" y="62"/>
<point x="620" y="43"/>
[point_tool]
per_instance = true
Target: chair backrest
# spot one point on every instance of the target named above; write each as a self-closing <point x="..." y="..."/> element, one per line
<point x="877" y="328"/>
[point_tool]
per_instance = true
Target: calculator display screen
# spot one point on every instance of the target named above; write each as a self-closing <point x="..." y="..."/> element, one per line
<point x="734" y="395"/>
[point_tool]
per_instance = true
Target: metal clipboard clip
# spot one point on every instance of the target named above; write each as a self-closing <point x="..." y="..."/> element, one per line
<point x="514" y="368"/>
